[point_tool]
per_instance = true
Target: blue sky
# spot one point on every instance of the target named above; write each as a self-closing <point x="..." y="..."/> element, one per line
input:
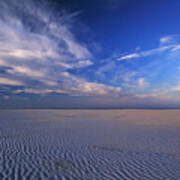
<point x="90" y="54"/>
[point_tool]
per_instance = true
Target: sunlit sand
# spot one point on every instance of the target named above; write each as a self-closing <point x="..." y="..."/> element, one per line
<point x="90" y="144"/>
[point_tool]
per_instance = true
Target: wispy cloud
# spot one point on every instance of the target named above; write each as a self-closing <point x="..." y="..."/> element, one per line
<point x="74" y="86"/>
<point x="166" y="39"/>
<point x="175" y="89"/>
<point x="38" y="91"/>
<point x="10" y="82"/>
<point x="142" y="83"/>
<point x="38" y="48"/>
<point x="146" y="53"/>
<point x="128" y="76"/>
<point x="170" y="42"/>
<point x="129" y="56"/>
<point x="144" y="78"/>
<point x="25" y="71"/>
<point x="176" y="48"/>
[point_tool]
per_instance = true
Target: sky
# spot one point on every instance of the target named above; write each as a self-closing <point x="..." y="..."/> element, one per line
<point x="89" y="54"/>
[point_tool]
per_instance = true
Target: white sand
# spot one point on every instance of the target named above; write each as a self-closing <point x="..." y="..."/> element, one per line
<point x="90" y="144"/>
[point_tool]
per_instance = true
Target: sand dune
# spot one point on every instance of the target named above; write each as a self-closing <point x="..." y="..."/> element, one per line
<point x="90" y="144"/>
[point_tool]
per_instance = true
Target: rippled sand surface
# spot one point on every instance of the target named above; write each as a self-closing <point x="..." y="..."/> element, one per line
<point x="90" y="144"/>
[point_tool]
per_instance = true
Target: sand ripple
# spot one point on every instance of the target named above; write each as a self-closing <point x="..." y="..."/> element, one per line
<point x="45" y="145"/>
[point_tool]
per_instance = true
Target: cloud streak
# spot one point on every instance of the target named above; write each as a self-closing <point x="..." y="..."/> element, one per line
<point x="146" y="53"/>
<point x="10" y="82"/>
<point x="170" y="43"/>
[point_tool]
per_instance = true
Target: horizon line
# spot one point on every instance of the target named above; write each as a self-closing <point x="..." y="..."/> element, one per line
<point x="89" y="108"/>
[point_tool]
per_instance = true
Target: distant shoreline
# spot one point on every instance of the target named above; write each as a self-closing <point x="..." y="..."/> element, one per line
<point x="89" y="108"/>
